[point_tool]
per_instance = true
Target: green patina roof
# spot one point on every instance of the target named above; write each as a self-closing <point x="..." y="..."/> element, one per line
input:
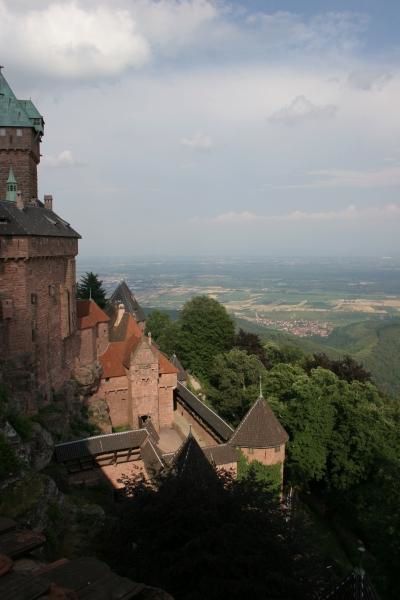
<point x="17" y="113"/>
<point x="11" y="187"/>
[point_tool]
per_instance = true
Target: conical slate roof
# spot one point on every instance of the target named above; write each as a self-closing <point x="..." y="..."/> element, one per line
<point x="182" y="375"/>
<point x="190" y="464"/>
<point x="259" y="428"/>
<point x="123" y="295"/>
<point x="355" y="586"/>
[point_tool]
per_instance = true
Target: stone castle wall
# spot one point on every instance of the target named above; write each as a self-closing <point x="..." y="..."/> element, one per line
<point x="19" y="149"/>
<point x="38" y="308"/>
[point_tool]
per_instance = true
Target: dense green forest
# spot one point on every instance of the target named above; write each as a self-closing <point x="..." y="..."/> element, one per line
<point x="376" y="344"/>
<point x="343" y="457"/>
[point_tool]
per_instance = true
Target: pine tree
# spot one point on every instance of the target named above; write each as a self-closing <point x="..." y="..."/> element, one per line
<point x="90" y="286"/>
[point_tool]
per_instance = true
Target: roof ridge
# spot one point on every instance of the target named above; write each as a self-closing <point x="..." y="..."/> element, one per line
<point x="206" y="405"/>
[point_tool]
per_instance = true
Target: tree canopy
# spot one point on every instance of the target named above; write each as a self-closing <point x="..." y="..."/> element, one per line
<point x="90" y="286"/>
<point x="234" y="383"/>
<point x="164" y="331"/>
<point x="206" y="330"/>
<point x="218" y="541"/>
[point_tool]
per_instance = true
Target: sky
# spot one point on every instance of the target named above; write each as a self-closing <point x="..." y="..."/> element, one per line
<point x="201" y="127"/>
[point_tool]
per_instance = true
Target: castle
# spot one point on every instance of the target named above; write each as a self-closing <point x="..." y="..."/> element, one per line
<point x="44" y="327"/>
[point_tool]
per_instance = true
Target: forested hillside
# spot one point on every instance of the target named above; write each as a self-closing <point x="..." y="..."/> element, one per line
<point x="375" y="344"/>
<point x="343" y="455"/>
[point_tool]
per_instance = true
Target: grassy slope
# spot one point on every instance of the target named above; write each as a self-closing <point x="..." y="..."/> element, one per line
<point x="376" y="344"/>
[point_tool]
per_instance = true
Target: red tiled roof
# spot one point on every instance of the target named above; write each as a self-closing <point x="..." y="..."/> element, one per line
<point x="89" y="314"/>
<point x="117" y="357"/>
<point x="130" y="345"/>
<point x="165" y="365"/>
<point x="112" y="360"/>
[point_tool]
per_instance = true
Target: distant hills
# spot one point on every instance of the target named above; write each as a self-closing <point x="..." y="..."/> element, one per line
<point x="374" y="343"/>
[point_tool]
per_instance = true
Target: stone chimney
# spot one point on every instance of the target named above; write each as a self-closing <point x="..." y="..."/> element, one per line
<point x="19" y="201"/>
<point x="48" y="201"/>
<point x="120" y="314"/>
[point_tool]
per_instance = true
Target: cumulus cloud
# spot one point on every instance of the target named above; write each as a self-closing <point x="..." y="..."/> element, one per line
<point x="388" y="211"/>
<point x="369" y="79"/>
<point x="198" y="141"/>
<point x="62" y="160"/>
<point x="302" y="109"/>
<point x="72" y="40"/>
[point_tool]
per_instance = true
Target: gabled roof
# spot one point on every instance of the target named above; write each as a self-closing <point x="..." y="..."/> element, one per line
<point x="126" y="328"/>
<point x="151" y="457"/>
<point x="259" y="428"/>
<point x="222" y="454"/>
<point x="165" y="366"/>
<point x="100" y="444"/>
<point x="123" y="295"/>
<point x="191" y="464"/>
<point x="89" y="314"/>
<point x="210" y="418"/>
<point x="17" y="113"/>
<point x="33" y="220"/>
<point x="355" y="586"/>
<point x="182" y="375"/>
<point x="112" y="360"/>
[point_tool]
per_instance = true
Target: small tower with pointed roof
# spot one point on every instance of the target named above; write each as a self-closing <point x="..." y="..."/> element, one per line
<point x="11" y="195"/>
<point x="260" y="436"/>
<point x="21" y="130"/>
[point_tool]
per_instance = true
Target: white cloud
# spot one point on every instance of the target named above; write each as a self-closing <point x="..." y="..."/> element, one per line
<point x="351" y="213"/>
<point x="64" y="159"/>
<point x="71" y="40"/>
<point x="199" y="141"/>
<point x="302" y="109"/>
<point x="367" y="79"/>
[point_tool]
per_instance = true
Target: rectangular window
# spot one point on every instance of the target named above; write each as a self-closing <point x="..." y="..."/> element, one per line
<point x="277" y="448"/>
<point x="33" y="298"/>
<point x="251" y="450"/>
<point x="3" y="132"/>
<point x="19" y="132"/>
<point x="52" y="290"/>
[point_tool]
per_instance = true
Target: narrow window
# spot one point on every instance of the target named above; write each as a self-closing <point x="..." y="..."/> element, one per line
<point x="3" y="132"/>
<point x="19" y="132"/>
<point x="33" y="298"/>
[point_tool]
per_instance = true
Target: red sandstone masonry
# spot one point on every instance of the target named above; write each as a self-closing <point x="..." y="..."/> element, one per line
<point x="38" y="274"/>
<point x="22" y="153"/>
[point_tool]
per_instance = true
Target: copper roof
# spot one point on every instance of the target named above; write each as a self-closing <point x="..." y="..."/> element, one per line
<point x="89" y="314"/>
<point x="259" y="428"/>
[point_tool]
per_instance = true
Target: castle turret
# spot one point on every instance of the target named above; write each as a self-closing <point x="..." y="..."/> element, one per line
<point x="21" y="130"/>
